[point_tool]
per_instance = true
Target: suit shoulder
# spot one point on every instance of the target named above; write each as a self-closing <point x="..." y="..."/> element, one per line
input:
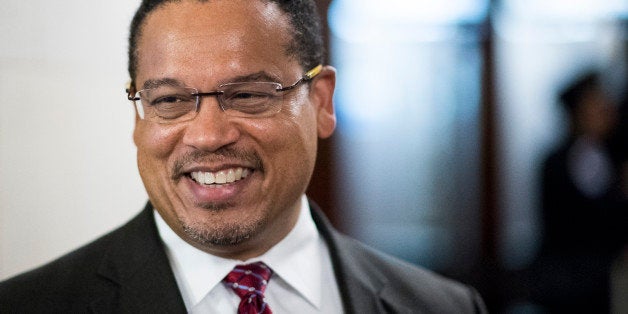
<point x="73" y="276"/>
<point x="409" y="285"/>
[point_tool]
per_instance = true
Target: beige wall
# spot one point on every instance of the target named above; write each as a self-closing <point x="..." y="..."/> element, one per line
<point x="67" y="161"/>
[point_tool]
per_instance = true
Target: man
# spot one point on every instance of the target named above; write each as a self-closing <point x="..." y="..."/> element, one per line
<point x="231" y="99"/>
<point x="581" y="205"/>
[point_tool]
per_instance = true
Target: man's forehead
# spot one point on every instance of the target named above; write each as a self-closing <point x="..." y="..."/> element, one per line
<point x="233" y="37"/>
<point x="229" y="21"/>
<point x="220" y="11"/>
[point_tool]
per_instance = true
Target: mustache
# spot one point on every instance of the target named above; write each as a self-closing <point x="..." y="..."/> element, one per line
<point x="225" y="154"/>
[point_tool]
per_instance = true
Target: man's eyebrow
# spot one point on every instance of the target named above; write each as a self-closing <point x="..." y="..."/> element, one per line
<point x="260" y="76"/>
<point x="154" y="83"/>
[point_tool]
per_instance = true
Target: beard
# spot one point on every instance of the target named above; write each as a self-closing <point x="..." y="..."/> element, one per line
<point x="210" y="232"/>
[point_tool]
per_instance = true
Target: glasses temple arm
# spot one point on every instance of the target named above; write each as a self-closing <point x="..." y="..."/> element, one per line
<point x="312" y="73"/>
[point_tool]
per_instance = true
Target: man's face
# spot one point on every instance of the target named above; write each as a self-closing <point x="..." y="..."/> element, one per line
<point x="203" y="45"/>
<point x="595" y="114"/>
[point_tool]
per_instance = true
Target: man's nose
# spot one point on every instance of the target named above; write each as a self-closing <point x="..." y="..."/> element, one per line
<point x="211" y="129"/>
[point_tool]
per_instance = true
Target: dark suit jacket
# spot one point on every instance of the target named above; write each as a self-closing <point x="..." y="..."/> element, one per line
<point x="127" y="271"/>
<point x="581" y="237"/>
<point x="574" y="223"/>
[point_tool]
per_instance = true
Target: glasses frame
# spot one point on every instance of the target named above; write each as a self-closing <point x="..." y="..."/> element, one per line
<point x="308" y="76"/>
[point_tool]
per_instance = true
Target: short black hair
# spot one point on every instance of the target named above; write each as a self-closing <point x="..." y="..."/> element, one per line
<point x="306" y="45"/>
<point x="571" y="96"/>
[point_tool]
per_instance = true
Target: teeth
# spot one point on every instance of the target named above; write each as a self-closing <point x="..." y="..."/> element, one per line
<point x="220" y="177"/>
<point x="209" y="178"/>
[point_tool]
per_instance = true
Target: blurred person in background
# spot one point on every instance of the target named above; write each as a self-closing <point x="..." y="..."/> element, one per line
<point x="581" y="206"/>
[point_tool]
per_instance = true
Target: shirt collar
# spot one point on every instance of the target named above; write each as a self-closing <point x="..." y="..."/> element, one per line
<point x="198" y="272"/>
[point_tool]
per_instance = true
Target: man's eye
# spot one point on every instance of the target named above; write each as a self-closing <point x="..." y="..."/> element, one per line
<point x="248" y="95"/>
<point x="170" y="99"/>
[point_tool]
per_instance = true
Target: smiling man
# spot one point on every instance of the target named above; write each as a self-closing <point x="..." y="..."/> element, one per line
<point x="189" y="157"/>
<point x="231" y="98"/>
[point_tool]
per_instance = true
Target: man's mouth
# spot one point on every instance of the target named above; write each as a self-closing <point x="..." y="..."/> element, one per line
<point x="215" y="179"/>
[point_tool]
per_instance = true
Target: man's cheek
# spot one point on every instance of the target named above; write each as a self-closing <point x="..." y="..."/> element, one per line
<point x="156" y="143"/>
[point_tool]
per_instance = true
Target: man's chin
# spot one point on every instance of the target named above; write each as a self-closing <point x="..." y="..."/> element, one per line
<point x="215" y="206"/>
<point x="207" y="239"/>
<point x="221" y="233"/>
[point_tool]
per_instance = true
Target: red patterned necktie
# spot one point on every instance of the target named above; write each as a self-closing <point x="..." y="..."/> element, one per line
<point x="249" y="282"/>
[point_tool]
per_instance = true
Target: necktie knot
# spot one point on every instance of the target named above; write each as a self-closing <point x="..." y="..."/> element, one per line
<point x="249" y="283"/>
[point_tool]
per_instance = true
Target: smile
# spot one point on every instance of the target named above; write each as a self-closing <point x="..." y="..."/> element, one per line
<point x="220" y="177"/>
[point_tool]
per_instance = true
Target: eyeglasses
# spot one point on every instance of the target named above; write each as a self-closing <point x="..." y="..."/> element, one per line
<point x="174" y="104"/>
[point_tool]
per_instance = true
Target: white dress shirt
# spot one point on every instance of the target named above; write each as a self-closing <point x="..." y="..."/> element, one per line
<point x="303" y="280"/>
<point x="590" y="167"/>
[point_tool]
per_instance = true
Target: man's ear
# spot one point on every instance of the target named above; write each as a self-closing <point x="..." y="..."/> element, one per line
<point x="322" y="95"/>
<point x="135" y="127"/>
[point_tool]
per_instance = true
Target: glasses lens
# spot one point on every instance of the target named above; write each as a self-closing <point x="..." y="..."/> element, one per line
<point x="251" y="99"/>
<point x="168" y="104"/>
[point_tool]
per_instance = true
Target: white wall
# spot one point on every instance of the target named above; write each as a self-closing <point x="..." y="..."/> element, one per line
<point x="67" y="161"/>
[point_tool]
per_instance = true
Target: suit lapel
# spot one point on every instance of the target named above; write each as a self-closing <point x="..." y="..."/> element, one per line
<point x="137" y="263"/>
<point x="360" y="288"/>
